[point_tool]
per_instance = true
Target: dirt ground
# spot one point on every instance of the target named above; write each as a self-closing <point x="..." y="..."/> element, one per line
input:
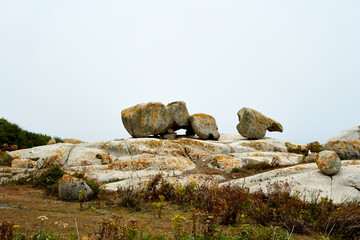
<point x="23" y="206"/>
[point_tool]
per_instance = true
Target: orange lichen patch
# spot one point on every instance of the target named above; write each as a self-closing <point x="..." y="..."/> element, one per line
<point x="227" y="162"/>
<point x="202" y="145"/>
<point x="138" y="164"/>
<point x="257" y="145"/>
<point x="203" y="116"/>
<point x="352" y="162"/>
<point x="70" y="179"/>
<point x="299" y="168"/>
<point x="196" y="155"/>
<point x="156" y="147"/>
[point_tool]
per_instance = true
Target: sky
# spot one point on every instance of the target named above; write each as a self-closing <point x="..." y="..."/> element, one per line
<point x="68" y="68"/>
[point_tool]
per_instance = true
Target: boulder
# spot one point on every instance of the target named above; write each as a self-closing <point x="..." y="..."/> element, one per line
<point x="5" y="158"/>
<point x="70" y="187"/>
<point x="351" y="133"/>
<point x="146" y="119"/>
<point x="328" y="162"/>
<point x="346" y="144"/>
<point x="253" y="124"/>
<point x="179" y="115"/>
<point x="72" y="140"/>
<point x="204" y="126"/>
<point x="315" y="147"/>
<point x="345" y="149"/>
<point x="154" y="118"/>
<point x="51" y="141"/>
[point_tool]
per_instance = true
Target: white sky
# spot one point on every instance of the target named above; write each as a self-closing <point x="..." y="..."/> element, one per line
<point x="68" y="68"/>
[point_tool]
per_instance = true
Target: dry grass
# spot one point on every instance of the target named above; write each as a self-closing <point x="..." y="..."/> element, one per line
<point x="30" y="203"/>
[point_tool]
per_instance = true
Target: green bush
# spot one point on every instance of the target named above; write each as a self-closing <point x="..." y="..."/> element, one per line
<point x="48" y="179"/>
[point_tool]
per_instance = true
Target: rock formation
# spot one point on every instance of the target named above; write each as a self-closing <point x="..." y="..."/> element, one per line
<point x="70" y="187"/>
<point x="154" y="118"/>
<point x="253" y="124"/>
<point x="328" y="162"/>
<point x="346" y="144"/>
<point x="204" y="126"/>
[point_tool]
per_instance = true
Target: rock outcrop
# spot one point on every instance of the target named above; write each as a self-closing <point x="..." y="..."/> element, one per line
<point x="309" y="182"/>
<point x="70" y="187"/>
<point x="328" y="162"/>
<point x="204" y="126"/>
<point x="346" y="144"/>
<point x="253" y="124"/>
<point x="154" y="118"/>
<point x="351" y="133"/>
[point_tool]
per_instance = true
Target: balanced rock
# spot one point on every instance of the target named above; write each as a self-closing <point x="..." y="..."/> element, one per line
<point x="328" y="162"/>
<point x="154" y="118"/>
<point x="70" y="187"/>
<point x="204" y="126"/>
<point x="346" y="144"/>
<point x="253" y="124"/>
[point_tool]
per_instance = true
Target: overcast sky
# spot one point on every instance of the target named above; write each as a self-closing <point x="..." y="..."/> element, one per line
<point x="68" y="68"/>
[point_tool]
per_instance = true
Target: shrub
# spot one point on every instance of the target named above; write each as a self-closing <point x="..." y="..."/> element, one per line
<point x="49" y="178"/>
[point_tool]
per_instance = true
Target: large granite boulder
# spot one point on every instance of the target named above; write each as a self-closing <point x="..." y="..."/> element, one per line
<point x="328" y="162"/>
<point x="346" y="144"/>
<point x="204" y="126"/>
<point x="154" y="118"/>
<point x="70" y="187"/>
<point x="179" y="115"/>
<point x="253" y="124"/>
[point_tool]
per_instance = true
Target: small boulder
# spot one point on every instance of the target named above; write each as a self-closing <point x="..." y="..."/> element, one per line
<point x="51" y="141"/>
<point x="204" y="126"/>
<point x="253" y="124"/>
<point x="315" y="147"/>
<point x="169" y="136"/>
<point x="5" y="158"/>
<point x="311" y="157"/>
<point x="72" y="141"/>
<point x="70" y="187"/>
<point x="328" y="162"/>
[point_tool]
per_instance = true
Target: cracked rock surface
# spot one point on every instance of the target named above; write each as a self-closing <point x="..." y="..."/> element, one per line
<point x="134" y="161"/>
